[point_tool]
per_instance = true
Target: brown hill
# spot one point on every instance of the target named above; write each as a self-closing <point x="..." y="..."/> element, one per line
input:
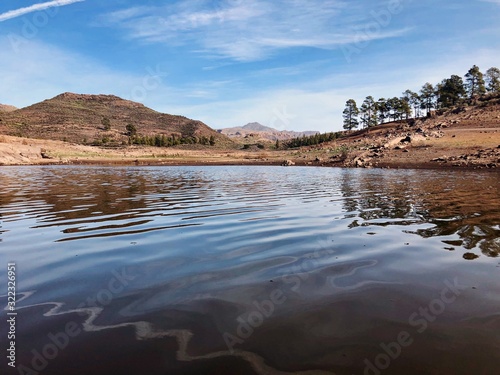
<point x="79" y="118"/>
<point x="7" y="108"/>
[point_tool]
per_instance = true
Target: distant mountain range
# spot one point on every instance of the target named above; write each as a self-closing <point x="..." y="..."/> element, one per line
<point x="79" y="118"/>
<point x="7" y="108"/>
<point x="257" y="131"/>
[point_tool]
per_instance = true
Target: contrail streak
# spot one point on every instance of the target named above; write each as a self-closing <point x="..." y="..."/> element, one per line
<point x="36" y="7"/>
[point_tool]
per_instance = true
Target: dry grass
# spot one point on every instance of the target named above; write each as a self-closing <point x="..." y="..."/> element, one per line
<point x="468" y="139"/>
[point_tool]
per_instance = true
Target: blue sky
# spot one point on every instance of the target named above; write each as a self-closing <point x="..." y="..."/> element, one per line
<point x="287" y="64"/>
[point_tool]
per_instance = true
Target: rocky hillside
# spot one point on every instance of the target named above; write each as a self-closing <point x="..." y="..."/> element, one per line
<point x="85" y="119"/>
<point x="468" y="136"/>
<point x="258" y="132"/>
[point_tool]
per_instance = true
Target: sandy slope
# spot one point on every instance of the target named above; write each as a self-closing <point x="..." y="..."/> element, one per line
<point x="24" y="151"/>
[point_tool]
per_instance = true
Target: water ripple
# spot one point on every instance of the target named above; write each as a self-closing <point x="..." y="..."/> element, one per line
<point x="352" y="255"/>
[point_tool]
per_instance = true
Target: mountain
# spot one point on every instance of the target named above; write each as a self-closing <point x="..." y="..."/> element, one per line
<point x="7" y="108"/>
<point x="80" y="118"/>
<point x="256" y="132"/>
<point x="255" y="126"/>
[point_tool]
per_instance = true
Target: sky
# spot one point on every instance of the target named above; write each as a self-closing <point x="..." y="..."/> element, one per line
<point x="288" y="64"/>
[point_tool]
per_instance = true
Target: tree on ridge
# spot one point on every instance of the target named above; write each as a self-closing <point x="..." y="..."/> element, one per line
<point x="451" y="91"/>
<point x="427" y="96"/>
<point x="475" y="82"/>
<point x="368" y="112"/>
<point x="413" y="100"/>
<point x="493" y="80"/>
<point x="350" y="114"/>
<point x="382" y="110"/>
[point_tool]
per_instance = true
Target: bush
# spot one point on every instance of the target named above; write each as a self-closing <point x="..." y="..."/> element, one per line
<point x="106" y="123"/>
<point x="131" y="130"/>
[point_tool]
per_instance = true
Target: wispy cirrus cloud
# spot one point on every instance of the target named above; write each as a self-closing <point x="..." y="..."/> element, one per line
<point x="249" y="31"/>
<point x="35" y="8"/>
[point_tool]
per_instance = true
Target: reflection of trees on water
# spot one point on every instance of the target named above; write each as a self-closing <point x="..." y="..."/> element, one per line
<point x="372" y="197"/>
<point x="466" y="205"/>
<point x="77" y="196"/>
<point x="484" y="236"/>
<point x="100" y="202"/>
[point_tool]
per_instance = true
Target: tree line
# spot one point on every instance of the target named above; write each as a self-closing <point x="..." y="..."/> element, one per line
<point x="311" y="140"/>
<point x="167" y="141"/>
<point x="157" y="140"/>
<point x="449" y="93"/>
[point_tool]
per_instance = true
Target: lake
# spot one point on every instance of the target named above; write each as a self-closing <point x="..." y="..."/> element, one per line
<point x="251" y="270"/>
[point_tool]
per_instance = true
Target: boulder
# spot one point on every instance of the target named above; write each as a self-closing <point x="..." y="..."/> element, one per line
<point x="44" y="154"/>
<point x="441" y="159"/>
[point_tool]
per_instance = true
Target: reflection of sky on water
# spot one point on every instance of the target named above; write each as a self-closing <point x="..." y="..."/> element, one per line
<point x="353" y="252"/>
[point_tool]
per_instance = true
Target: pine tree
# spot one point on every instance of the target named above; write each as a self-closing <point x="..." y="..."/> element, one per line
<point x="131" y="130"/>
<point x="393" y="106"/>
<point x="350" y="114"/>
<point x="427" y="96"/>
<point x="157" y="140"/>
<point x="450" y="91"/>
<point x="493" y="80"/>
<point x="382" y="110"/>
<point x="404" y="108"/>
<point x="413" y="100"/>
<point x="475" y="82"/>
<point x="369" y="112"/>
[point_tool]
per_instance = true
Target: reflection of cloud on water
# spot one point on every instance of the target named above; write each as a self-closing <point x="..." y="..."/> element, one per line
<point x="145" y="331"/>
<point x="344" y="270"/>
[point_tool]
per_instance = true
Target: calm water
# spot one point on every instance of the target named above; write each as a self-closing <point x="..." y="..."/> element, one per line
<point x="252" y="270"/>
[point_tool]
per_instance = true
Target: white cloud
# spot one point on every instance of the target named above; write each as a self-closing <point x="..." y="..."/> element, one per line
<point x="247" y="31"/>
<point x="318" y="105"/>
<point x="35" y="8"/>
<point x="281" y="109"/>
<point x="40" y="71"/>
